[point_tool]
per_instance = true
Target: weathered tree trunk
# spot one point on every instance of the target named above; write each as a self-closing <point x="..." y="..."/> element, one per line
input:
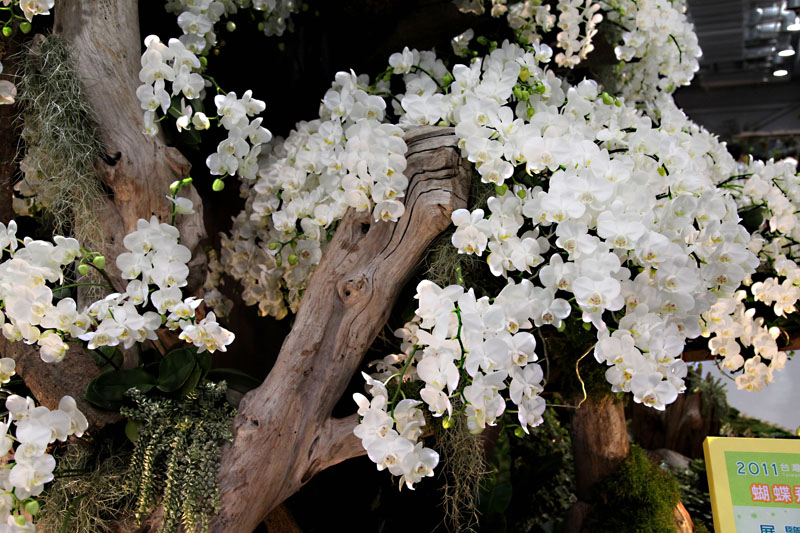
<point x="105" y="44"/>
<point x="284" y="433"/>
<point x="599" y="442"/>
<point x="599" y="445"/>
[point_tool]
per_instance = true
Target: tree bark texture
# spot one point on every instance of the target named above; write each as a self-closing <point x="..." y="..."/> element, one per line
<point x="284" y="432"/>
<point x="599" y="442"/>
<point x="599" y="445"/>
<point x="681" y="427"/>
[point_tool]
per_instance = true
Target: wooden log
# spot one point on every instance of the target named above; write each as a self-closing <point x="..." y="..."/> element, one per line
<point x="105" y="43"/>
<point x="284" y="432"/>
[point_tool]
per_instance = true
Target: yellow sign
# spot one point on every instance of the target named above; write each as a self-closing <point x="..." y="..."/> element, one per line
<point x="754" y="484"/>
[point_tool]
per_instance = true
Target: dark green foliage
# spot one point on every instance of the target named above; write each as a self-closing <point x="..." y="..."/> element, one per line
<point x="693" y="484"/>
<point x="542" y="476"/>
<point x="639" y="497"/>
<point x="736" y="425"/>
<point x="176" y="458"/>
<point x="561" y="351"/>
<point x="714" y="398"/>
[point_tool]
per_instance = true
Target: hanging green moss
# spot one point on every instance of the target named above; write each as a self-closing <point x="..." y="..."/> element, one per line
<point x="61" y="141"/>
<point x="640" y="497"/>
<point x="177" y="453"/>
<point x="463" y="468"/>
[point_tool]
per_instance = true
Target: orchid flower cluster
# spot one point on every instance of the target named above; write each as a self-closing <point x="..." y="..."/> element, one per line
<point x="770" y="192"/>
<point x="577" y="20"/>
<point x="661" y="40"/>
<point x="465" y="350"/>
<point x="346" y="158"/>
<point x="197" y="18"/>
<point x="611" y="209"/>
<point x="35" y="428"/>
<point x="154" y="258"/>
<point x="177" y="64"/>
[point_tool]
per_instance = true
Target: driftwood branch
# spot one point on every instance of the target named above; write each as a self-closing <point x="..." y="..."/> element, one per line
<point x="105" y="42"/>
<point x="284" y="433"/>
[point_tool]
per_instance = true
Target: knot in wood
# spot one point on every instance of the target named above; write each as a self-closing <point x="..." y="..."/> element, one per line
<point x="352" y="289"/>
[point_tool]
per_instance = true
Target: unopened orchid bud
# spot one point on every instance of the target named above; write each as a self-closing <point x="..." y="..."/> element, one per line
<point x="83" y="269"/>
<point x="218" y="185"/>
<point x="99" y="262"/>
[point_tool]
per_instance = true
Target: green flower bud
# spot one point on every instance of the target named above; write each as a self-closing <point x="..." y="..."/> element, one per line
<point x="447" y="79"/>
<point x="607" y="98"/>
<point x="7" y="31"/>
<point x="174" y="186"/>
<point x="19" y="519"/>
<point x="447" y="422"/>
<point x="292" y="259"/>
<point x="25" y="27"/>
<point x="230" y="26"/>
<point x="524" y="74"/>
<point x="587" y="326"/>
<point x="521" y="193"/>
<point x="442" y="123"/>
<point x="517" y="92"/>
<point x="540" y="88"/>
<point x="204" y="61"/>
<point x="218" y="185"/>
<point x="523" y="39"/>
<point x="278" y="261"/>
<point x="519" y="433"/>
<point x="525" y="94"/>
<point x="83" y="269"/>
<point x="500" y="190"/>
<point x="99" y="262"/>
<point x="186" y="181"/>
<point x="32" y="507"/>
<point x="531" y="111"/>
<point x="617" y="102"/>
<point x="662" y="171"/>
<point x="482" y="40"/>
<point x="281" y="46"/>
<point x="273" y="245"/>
<point x="260" y="26"/>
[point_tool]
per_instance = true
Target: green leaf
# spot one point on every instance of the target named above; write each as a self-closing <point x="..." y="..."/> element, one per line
<point x="192" y="381"/>
<point x="112" y="353"/>
<point x="175" y="369"/>
<point x="108" y="390"/>
<point x="237" y="380"/>
<point x="132" y="430"/>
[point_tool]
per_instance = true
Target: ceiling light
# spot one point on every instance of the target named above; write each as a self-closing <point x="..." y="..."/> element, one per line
<point x="787" y="52"/>
<point x="780" y="73"/>
<point x="794" y="26"/>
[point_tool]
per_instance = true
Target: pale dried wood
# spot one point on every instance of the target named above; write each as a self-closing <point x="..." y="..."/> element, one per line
<point x="105" y="43"/>
<point x="284" y="433"/>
